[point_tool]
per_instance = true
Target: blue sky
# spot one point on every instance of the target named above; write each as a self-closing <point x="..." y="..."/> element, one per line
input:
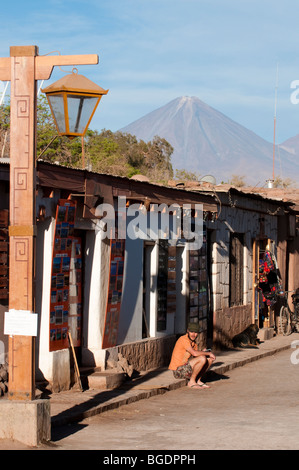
<point x="225" y="52"/>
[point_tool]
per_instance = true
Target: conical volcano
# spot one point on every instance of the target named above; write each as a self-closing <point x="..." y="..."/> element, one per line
<point x="208" y="142"/>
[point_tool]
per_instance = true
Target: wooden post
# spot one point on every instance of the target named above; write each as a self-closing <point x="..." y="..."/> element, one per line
<point x="23" y="68"/>
<point x="22" y="215"/>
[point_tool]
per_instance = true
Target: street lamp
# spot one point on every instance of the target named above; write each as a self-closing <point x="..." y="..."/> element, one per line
<point x="73" y="101"/>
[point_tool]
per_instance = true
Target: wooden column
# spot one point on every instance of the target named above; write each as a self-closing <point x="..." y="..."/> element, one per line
<point x="22" y="215"/>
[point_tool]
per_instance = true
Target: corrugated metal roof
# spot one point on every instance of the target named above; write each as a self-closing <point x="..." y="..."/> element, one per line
<point x="288" y="196"/>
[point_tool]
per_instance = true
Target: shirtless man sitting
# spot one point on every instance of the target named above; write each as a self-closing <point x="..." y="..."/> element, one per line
<point x="187" y="362"/>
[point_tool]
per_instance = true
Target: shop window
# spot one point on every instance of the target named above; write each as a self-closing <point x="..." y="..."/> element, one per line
<point x="236" y="257"/>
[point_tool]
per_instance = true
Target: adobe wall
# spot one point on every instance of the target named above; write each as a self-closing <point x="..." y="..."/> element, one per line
<point x="252" y="218"/>
<point x="149" y="353"/>
<point x="229" y="322"/>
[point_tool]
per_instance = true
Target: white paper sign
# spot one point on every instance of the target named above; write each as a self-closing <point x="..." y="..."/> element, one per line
<point x="20" y="322"/>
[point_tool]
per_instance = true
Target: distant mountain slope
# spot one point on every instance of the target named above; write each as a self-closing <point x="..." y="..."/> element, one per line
<point x="291" y="145"/>
<point x="208" y="142"/>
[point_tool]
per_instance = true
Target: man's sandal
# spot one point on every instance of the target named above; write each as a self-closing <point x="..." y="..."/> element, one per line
<point x="200" y="386"/>
<point x="204" y="385"/>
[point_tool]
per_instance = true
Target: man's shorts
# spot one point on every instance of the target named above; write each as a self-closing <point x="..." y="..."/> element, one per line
<point x="183" y="372"/>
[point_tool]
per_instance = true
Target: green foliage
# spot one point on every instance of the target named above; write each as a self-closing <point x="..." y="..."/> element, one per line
<point x="105" y="152"/>
<point x="238" y="181"/>
<point x="4" y="117"/>
<point x="283" y="183"/>
<point x="185" y="175"/>
<point x="4" y="130"/>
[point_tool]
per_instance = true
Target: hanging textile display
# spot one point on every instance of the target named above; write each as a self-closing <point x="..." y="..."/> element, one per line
<point x="269" y="283"/>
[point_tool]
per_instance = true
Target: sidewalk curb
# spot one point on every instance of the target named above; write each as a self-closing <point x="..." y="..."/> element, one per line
<point x="242" y="362"/>
<point x="76" y="416"/>
<point x="79" y="410"/>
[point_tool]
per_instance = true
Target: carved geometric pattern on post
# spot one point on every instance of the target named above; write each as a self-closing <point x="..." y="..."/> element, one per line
<point x="23" y="107"/>
<point x="21" y="253"/>
<point x="21" y="250"/>
<point x="20" y="179"/>
<point x="21" y="166"/>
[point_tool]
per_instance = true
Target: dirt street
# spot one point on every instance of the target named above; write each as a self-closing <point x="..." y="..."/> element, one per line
<point x="252" y="407"/>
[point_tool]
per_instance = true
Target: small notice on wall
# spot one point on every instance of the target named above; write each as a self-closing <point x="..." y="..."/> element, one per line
<point x="20" y="322"/>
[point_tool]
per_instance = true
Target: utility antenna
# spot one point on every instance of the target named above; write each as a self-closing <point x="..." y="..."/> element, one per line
<point x="276" y="87"/>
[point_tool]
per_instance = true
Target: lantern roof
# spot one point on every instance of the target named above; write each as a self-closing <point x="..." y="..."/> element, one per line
<point x="75" y="83"/>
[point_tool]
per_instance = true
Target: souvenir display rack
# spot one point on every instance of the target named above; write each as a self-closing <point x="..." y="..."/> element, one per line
<point x="65" y="300"/>
<point x="198" y="286"/>
<point x="166" y="283"/>
<point x="116" y="272"/>
<point x="75" y="292"/>
<point x="115" y="286"/>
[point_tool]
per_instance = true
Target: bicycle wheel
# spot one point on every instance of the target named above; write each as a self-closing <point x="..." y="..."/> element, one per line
<point x="285" y="321"/>
<point x="296" y="317"/>
<point x="296" y="322"/>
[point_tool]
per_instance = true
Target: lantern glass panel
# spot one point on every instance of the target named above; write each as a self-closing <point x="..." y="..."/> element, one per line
<point x="80" y="109"/>
<point x="57" y="105"/>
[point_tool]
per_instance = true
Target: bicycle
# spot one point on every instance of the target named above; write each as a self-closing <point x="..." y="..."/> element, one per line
<point x="288" y="320"/>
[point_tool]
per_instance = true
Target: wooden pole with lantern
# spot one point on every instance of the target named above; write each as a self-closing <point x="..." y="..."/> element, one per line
<point x="23" y="68"/>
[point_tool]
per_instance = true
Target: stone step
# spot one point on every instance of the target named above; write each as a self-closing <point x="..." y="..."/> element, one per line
<point x="87" y="370"/>
<point x="265" y="333"/>
<point x="104" y="380"/>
